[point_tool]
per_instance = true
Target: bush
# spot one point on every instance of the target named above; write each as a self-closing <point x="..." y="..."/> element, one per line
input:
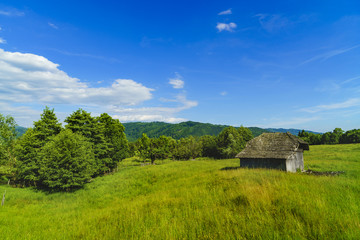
<point x="66" y="162"/>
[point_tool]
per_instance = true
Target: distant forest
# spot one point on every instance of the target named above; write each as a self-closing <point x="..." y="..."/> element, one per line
<point x="134" y="130"/>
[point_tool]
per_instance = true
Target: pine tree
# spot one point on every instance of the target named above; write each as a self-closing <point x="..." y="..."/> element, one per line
<point x="114" y="133"/>
<point x="47" y="126"/>
<point x="30" y="145"/>
<point x="83" y="123"/>
<point x="66" y="162"/>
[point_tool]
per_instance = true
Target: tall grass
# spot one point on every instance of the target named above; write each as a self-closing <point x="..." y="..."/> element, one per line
<point x="204" y="199"/>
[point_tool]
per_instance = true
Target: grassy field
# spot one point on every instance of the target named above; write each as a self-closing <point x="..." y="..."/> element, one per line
<point x="202" y="199"/>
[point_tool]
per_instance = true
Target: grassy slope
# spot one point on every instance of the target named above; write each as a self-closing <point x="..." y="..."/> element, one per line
<point x="197" y="200"/>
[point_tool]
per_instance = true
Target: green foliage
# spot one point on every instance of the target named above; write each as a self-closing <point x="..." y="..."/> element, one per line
<point x="352" y="136"/>
<point x="30" y="145"/>
<point x="209" y="146"/>
<point x="245" y="133"/>
<point x="143" y="146"/>
<point x="230" y="142"/>
<point x="47" y="126"/>
<point x="187" y="148"/>
<point x="66" y="162"/>
<point x="115" y="137"/>
<point x="161" y="148"/>
<point x="27" y="154"/>
<point x="83" y="123"/>
<point x="7" y="139"/>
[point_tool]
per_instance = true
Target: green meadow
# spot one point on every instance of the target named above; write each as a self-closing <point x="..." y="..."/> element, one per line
<point x="200" y="199"/>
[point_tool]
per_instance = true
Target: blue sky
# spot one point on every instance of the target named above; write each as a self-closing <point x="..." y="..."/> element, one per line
<point x="290" y="64"/>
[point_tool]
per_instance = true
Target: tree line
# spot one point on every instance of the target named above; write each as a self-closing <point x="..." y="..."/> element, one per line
<point x="337" y="136"/>
<point x="62" y="158"/>
<point x="227" y="144"/>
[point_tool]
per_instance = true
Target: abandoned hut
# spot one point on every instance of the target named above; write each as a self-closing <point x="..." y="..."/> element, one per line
<point x="282" y="151"/>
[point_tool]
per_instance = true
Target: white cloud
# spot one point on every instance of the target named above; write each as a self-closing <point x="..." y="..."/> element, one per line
<point x="177" y="82"/>
<point x="226" y="12"/>
<point x="353" y="102"/>
<point x="2" y="41"/>
<point x="53" y="25"/>
<point x="226" y="26"/>
<point x="29" y="78"/>
<point x="164" y="114"/>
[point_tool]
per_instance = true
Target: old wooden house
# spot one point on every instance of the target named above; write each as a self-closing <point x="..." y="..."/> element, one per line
<point x="282" y="151"/>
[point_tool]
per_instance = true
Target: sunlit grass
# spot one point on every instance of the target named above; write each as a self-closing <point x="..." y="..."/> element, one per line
<point x="202" y="199"/>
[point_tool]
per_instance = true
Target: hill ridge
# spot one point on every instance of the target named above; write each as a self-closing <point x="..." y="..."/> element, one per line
<point x="134" y="130"/>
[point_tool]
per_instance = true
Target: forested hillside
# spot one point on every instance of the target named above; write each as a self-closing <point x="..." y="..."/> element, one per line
<point x="134" y="130"/>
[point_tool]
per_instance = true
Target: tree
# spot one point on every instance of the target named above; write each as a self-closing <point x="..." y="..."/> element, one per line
<point x="326" y="138"/>
<point x="83" y="123"/>
<point x="7" y="144"/>
<point x="187" y="148"/>
<point x="245" y="133"/>
<point x="30" y="146"/>
<point x="66" y="162"/>
<point x="7" y="139"/>
<point x="27" y="152"/>
<point x="114" y="133"/>
<point x="230" y="142"/>
<point x="209" y="146"/>
<point x="161" y="148"/>
<point x="143" y="144"/>
<point x="48" y="126"/>
<point x="351" y="136"/>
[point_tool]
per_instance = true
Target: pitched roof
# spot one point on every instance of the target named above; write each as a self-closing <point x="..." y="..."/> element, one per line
<point x="273" y="146"/>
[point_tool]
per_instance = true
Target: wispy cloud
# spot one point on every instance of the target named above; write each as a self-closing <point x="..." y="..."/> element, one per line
<point x="223" y="93"/>
<point x="226" y="12"/>
<point x="350" y="80"/>
<point x="12" y="12"/>
<point x="353" y="102"/>
<point x="226" y="27"/>
<point x="177" y="82"/>
<point x="325" y="56"/>
<point x="2" y="41"/>
<point x="272" y="22"/>
<point x="53" y="25"/>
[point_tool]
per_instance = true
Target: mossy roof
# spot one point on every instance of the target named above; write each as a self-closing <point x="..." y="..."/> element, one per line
<point x="273" y="146"/>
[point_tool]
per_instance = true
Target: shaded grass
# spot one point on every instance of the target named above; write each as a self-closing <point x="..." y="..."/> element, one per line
<point x="204" y="199"/>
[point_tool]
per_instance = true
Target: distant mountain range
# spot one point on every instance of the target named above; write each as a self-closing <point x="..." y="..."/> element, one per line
<point x="134" y="130"/>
